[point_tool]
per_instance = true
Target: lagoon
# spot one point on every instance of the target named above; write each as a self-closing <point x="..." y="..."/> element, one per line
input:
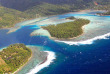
<point x="77" y="56"/>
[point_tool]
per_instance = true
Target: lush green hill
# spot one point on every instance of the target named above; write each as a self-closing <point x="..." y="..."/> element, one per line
<point x="29" y="8"/>
<point x="9" y="17"/>
<point x="12" y="57"/>
<point x="49" y="9"/>
<point x="23" y="5"/>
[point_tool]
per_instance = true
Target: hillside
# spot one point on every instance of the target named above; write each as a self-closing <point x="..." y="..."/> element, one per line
<point x="49" y="9"/>
<point x="23" y="5"/>
<point x="26" y="9"/>
<point x="9" y="17"/>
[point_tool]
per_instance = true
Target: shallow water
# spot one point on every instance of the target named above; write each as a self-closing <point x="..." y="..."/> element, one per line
<point x="75" y="59"/>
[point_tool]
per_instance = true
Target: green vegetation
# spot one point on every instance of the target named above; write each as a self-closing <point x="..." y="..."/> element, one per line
<point x="13" y="57"/>
<point x="23" y="5"/>
<point x="46" y="9"/>
<point x="67" y="30"/>
<point x="9" y="17"/>
<point x="31" y="8"/>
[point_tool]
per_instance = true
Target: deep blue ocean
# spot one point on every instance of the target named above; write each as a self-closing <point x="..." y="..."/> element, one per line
<point x="70" y="59"/>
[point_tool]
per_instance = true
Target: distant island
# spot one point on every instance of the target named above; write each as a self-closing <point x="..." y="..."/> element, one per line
<point x="13" y="57"/>
<point x="71" y="18"/>
<point x="67" y="30"/>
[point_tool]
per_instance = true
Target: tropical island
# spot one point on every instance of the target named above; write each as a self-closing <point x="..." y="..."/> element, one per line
<point x="67" y="30"/>
<point x="13" y="57"/>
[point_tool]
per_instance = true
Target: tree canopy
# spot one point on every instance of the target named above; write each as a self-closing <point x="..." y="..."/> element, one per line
<point x="13" y="57"/>
<point x="67" y="30"/>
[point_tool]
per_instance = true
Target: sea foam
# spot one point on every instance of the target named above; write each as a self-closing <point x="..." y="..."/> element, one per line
<point x="51" y="56"/>
<point x="89" y="41"/>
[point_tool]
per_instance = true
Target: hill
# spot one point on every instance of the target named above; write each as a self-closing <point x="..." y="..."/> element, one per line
<point x="23" y="5"/>
<point x="9" y="17"/>
<point x="50" y="7"/>
<point x="14" y="11"/>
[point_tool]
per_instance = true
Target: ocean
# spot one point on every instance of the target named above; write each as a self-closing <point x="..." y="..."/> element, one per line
<point x="87" y="54"/>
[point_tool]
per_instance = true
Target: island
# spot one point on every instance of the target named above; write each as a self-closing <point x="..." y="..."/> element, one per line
<point x="13" y="57"/>
<point x="68" y="29"/>
<point x="71" y="18"/>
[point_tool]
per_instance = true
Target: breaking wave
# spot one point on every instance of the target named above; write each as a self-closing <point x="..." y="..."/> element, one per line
<point x="89" y="41"/>
<point x="51" y="56"/>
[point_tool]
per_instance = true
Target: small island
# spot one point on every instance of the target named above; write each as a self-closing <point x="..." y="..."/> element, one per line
<point x="13" y="57"/>
<point x="67" y="30"/>
<point x="71" y="18"/>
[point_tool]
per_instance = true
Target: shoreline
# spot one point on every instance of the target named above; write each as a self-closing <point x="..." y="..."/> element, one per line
<point x="23" y="65"/>
<point x="88" y="41"/>
<point x="48" y="60"/>
<point x="39" y="57"/>
<point x="88" y="10"/>
<point x="17" y="23"/>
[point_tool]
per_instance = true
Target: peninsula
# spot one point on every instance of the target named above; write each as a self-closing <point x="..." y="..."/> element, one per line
<point x="13" y="57"/>
<point x="67" y="30"/>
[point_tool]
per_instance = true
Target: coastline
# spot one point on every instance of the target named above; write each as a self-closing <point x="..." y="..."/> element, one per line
<point x="39" y="57"/>
<point x="23" y="65"/>
<point x="17" y="23"/>
<point x="48" y="60"/>
<point x="86" y="10"/>
<point x="88" y="41"/>
<point x="16" y="26"/>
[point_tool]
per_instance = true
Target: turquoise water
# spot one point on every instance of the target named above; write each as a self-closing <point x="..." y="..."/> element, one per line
<point x="82" y="58"/>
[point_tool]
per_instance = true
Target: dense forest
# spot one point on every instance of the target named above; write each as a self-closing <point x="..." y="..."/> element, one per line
<point x="50" y="7"/>
<point x="46" y="9"/>
<point x="12" y="57"/>
<point x="67" y="30"/>
<point x="23" y="5"/>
